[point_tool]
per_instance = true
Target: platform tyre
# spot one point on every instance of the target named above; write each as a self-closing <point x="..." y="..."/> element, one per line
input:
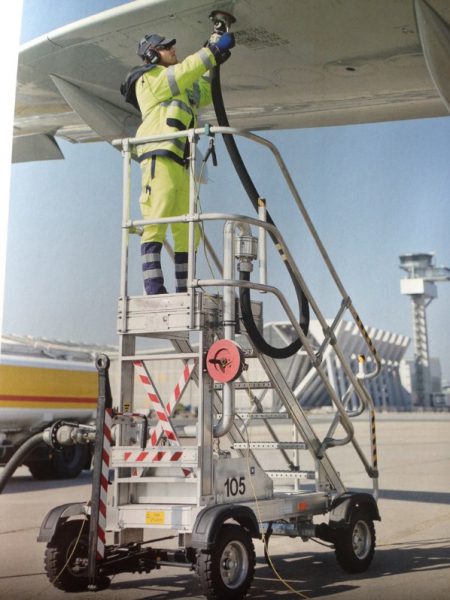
<point x="63" y="557"/>
<point x="226" y="572"/>
<point x="355" y="545"/>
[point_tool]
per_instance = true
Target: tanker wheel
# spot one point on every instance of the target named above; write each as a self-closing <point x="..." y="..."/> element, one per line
<point x="355" y="545"/>
<point x="226" y="572"/>
<point x="63" y="464"/>
<point x="66" y="558"/>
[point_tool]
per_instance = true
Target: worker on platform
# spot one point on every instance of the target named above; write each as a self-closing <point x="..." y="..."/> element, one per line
<point x="168" y="93"/>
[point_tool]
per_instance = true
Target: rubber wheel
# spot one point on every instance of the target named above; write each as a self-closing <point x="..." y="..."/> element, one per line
<point x="63" y="464"/>
<point x="66" y="559"/>
<point x="355" y="545"/>
<point x="227" y="571"/>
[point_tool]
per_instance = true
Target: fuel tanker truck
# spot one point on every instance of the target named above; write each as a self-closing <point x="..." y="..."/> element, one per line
<point x="42" y="382"/>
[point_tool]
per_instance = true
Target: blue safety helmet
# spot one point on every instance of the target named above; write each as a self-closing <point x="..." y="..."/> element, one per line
<point x="153" y="41"/>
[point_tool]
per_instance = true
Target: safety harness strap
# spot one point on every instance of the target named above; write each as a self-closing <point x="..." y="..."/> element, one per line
<point x="167" y="153"/>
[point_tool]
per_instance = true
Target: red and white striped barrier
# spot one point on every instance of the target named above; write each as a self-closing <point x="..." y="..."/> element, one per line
<point x="163" y="410"/>
<point x="164" y="426"/>
<point x="104" y="481"/>
<point x="143" y="458"/>
<point x="180" y="387"/>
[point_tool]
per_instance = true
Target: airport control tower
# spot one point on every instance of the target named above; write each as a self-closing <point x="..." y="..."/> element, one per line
<point x="420" y="285"/>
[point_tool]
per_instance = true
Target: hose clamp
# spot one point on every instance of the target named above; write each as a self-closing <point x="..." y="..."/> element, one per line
<point x="52" y="438"/>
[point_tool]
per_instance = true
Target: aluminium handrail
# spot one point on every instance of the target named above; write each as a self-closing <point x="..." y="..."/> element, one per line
<point x="345" y="421"/>
<point x="346" y="304"/>
<point x="359" y="389"/>
<point x="211" y="131"/>
<point x="275" y="231"/>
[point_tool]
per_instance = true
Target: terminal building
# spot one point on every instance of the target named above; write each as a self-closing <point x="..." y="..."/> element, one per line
<point x="387" y="390"/>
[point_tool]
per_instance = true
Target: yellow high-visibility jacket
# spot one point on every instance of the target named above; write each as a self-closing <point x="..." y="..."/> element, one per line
<point x="169" y="98"/>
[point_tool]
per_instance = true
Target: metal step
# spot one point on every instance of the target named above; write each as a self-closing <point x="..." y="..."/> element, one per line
<point x="301" y="421"/>
<point x="155" y="479"/>
<point x="270" y="446"/>
<point x="304" y="475"/>
<point x="165" y="315"/>
<point x="263" y="415"/>
<point x="245" y="385"/>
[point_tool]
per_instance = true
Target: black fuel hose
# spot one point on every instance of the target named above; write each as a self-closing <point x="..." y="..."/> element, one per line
<point x="18" y="457"/>
<point x="244" y="293"/>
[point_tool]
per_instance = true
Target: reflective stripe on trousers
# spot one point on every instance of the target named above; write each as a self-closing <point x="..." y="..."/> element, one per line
<point x="151" y="268"/>
<point x="181" y="271"/>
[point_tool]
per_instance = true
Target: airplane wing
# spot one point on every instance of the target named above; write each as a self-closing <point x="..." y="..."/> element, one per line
<point x="296" y="64"/>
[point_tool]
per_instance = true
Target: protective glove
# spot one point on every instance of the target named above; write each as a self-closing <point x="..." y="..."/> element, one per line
<point x="225" y="42"/>
<point x="220" y="47"/>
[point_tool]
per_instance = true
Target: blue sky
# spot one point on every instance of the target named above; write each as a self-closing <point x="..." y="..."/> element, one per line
<point x="373" y="191"/>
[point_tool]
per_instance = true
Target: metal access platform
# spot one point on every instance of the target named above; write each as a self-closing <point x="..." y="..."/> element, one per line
<point x="211" y="489"/>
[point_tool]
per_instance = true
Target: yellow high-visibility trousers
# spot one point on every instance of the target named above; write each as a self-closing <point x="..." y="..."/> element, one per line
<point x="165" y="193"/>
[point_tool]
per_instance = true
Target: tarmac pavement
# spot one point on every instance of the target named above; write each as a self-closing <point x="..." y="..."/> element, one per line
<point x="412" y="559"/>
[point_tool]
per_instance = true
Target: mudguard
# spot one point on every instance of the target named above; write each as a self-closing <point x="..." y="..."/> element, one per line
<point x="210" y="519"/>
<point x="55" y="516"/>
<point x="343" y="507"/>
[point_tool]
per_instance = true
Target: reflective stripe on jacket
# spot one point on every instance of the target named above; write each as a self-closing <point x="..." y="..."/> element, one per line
<point x="169" y="98"/>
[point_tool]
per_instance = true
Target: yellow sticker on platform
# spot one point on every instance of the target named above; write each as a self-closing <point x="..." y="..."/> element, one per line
<point x="155" y="517"/>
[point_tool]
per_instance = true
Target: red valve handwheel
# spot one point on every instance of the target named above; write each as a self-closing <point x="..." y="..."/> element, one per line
<point x="224" y="361"/>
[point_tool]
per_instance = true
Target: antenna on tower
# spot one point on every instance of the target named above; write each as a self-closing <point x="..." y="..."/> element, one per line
<point x="420" y="285"/>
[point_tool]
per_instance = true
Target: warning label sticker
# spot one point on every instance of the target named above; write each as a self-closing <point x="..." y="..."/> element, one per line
<point x="155" y="517"/>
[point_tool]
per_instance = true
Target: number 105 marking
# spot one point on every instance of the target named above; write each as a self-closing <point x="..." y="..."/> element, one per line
<point x="235" y="486"/>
